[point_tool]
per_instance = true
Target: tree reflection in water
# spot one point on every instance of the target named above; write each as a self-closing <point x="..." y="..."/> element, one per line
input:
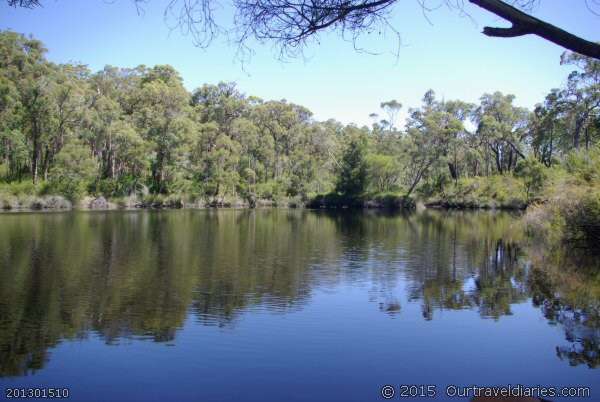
<point x="140" y="274"/>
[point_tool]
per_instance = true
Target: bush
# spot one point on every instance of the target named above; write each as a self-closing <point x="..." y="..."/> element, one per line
<point x="533" y="174"/>
<point x="352" y="174"/>
<point x="57" y="202"/>
<point x="574" y="219"/>
<point x="73" y="190"/>
<point x="584" y="165"/>
<point x="73" y="170"/>
<point x="499" y="191"/>
<point x="582" y="220"/>
<point x="391" y="201"/>
<point x="18" y="188"/>
<point x="270" y="190"/>
<point x="385" y="200"/>
<point x="152" y="201"/>
<point x="333" y="200"/>
<point x="8" y="201"/>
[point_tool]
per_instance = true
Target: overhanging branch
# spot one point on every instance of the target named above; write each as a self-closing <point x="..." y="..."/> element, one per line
<point x="525" y="24"/>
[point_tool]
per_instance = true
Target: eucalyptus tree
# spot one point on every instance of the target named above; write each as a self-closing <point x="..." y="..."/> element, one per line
<point x="501" y="130"/>
<point x="392" y="108"/>
<point x="221" y="103"/>
<point x="74" y="169"/>
<point x="383" y="172"/>
<point x="582" y="98"/>
<point x="163" y="115"/>
<point x="433" y="132"/>
<point x="27" y="81"/>
<point x="352" y="173"/>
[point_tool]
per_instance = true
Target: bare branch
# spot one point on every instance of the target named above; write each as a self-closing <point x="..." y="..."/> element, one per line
<point x="292" y="23"/>
<point x="525" y="24"/>
<point x="24" y="3"/>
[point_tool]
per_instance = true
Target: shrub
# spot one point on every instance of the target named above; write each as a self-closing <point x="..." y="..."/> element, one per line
<point x="56" y="202"/>
<point x="270" y="190"/>
<point x="574" y="219"/>
<point x="18" y="188"/>
<point x="73" y="190"/>
<point x="8" y="201"/>
<point x="499" y="191"/>
<point x="533" y="174"/>
<point x="584" y="165"/>
<point x="73" y="170"/>
<point x="392" y="201"/>
<point x="352" y="174"/>
<point x="152" y="200"/>
<point x="582" y="220"/>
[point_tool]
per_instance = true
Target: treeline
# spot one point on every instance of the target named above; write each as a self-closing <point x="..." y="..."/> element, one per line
<point x="117" y="132"/>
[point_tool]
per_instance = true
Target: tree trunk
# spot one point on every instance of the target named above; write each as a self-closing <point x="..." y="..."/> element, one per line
<point x="453" y="172"/>
<point x="36" y="154"/>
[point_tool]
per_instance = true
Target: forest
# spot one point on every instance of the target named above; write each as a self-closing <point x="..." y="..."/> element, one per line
<point x="138" y="137"/>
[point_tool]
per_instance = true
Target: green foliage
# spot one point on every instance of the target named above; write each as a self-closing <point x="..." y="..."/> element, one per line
<point x="498" y="191"/>
<point x="18" y="188"/>
<point x="584" y="166"/>
<point x="123" y="132"/>
<point x="352" y="172"/>
<point x="582" y="220"/>
<point x="383" y="172"/>
<point x="533" y="174"/>
<point x="572" y="218"/>
<point x="392" y="201"/>
<point x="73" y="171"/>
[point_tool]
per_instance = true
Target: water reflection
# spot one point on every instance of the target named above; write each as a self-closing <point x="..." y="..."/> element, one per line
<point x="565" y="285"/>
<point x="140" y="274"/>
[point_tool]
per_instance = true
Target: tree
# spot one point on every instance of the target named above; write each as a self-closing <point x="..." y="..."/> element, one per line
<point x="384" y="172"/>
<point x="392" y="108"/>
<point x="162" y="115"/>
<point x="27" y="77"/>
<point x="140" y="126"/>
<point x="533" y="174"/>
<point x="292" y="23"/>
<point x="501" y="130"/>
<point x="352" y="173"/>
<point x="546" y="127"/>
<point x="582" y="97"/>
<point x="74" y="169"/>
<point x="432" y="131"/>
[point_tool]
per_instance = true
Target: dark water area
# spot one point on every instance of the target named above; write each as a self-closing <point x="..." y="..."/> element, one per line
<point x="289" y="305"/>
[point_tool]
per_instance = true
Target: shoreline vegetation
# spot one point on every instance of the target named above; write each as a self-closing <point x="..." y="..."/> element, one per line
<point x="125" y="138"/>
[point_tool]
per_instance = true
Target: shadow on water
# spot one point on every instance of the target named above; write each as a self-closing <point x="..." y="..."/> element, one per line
<point x="141" y="274"/>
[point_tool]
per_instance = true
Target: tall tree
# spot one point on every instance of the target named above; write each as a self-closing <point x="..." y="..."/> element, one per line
<point x="352" y="174"/>
<point x="162" y="114"/>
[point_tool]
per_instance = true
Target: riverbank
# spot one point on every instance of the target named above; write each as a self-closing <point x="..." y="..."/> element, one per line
<point x="10" y="202"/>
<point x="504" y="192"/>
<point x="562" y="204"/>
<point x="57" y="202"/>
<point x="372" y="201"/>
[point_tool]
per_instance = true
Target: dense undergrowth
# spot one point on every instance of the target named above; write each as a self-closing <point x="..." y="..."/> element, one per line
<point x="562" y="202"/>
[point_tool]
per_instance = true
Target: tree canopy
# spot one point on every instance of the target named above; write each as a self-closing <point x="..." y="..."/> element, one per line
<point x="122" y="131"/>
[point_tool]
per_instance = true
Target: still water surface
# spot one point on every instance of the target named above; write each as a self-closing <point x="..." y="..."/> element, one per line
<point x="288" y="305"/>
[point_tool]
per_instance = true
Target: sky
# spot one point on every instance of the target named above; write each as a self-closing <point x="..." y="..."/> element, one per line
<point x="441" y="49"/>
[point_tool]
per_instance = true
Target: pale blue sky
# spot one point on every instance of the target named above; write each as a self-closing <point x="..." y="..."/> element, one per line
<point x="450" y="55"/>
